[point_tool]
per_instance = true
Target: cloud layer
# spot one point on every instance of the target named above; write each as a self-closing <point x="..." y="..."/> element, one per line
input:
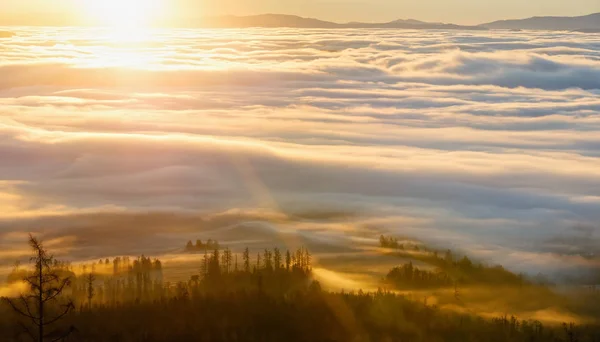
<point x="485" y="141"/>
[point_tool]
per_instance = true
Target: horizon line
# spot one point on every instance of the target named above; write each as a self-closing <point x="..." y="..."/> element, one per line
<point x="172" y="23"/>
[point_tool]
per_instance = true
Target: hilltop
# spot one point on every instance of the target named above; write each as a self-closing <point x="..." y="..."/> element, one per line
<point x="580" y="23"/>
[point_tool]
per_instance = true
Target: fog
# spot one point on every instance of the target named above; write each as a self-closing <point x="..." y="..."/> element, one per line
<point x="486" y="142"/>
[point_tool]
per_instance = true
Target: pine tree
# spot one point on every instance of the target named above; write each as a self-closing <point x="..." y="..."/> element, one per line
<point x="246" y="257"/>
<point x="47" y="285"/>
<point x="189" y="246"/>
<point x="308" y="259"/>
<point x="288" y="260"/>
<point x="268" y="260"/>
<point x="89" y="279"/>
<point x="277" y="259"/>
<point x="214" y="265"/>
<point x="204" y="269"/>
<point x="228" y="260"/>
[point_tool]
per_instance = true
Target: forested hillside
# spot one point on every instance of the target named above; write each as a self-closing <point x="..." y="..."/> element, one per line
<point x="269" y="295"/>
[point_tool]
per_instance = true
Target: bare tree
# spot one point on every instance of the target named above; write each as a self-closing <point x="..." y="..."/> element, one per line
<point x="46" y="286"/>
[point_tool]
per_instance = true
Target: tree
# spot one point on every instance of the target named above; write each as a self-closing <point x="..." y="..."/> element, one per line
<point x="199" y="244"/>
<point x="268" y="260"/>
<point x="227" y="259"/>
<point x="189" y="246"/>
<point x="205" y="263"/>
<point x="214" y="265"/>
<point x="46" y="284"/>
<point x="383" y="241"/>
<point x="246" y="257"/>
<point x="89" y="279"/>
<point x="288" y="260"/>
<point x="308" y="259"/>
<point x="277" y="259"/>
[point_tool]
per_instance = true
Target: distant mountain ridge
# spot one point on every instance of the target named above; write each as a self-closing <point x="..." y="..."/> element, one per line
<point x="264" y="20"/>
<point x="284" y="20"/>
<point x="586" y="23"/>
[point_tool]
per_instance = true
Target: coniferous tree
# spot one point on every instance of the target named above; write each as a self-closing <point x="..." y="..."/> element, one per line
<point x="268" y="260"/>
<point x="288" y="260"/>
<point x="228" y="260"/>
<point x="277" y="259"/>
<point x="308" y="259"/>
<point x="205" y="262"/>
<point x="90" y="278"/>
<point x="214" y="265"/>
<point x="224" y="261"/>
<point x="46" y="284"/>
<point x="246" y="257"/>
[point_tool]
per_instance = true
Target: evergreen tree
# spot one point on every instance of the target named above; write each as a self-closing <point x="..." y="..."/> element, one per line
<point x="90" y="278"/>
<point x="246" y="257"/>
<point x="277" y="259"/>
<point x="47" y="283"/>
<point x="288" y="260"/>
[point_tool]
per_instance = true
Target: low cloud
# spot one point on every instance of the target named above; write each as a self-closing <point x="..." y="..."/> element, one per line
<point x="486" y="143"/>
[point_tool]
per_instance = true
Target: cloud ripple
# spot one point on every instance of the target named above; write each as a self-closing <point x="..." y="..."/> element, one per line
<point x="479" y="140"/>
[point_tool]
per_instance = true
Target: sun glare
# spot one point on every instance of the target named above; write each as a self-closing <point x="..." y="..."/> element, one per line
<point x="123" y="14"/>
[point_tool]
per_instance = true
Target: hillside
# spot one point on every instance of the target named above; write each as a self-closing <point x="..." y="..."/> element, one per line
<point x="586" y="22"/>
<point x="275" y="296"/>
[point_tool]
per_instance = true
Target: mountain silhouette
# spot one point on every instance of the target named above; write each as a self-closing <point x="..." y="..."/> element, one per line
<point x="294" y="21"/>
<point x="585" y="23"/>
<point x="588" y="23"/>
<point x="264" y="20"/>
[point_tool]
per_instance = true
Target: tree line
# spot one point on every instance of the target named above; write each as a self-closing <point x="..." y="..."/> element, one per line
<point x="268" y="296"/>
<point x="199" y="246"/>
<point x="449" y="268"/>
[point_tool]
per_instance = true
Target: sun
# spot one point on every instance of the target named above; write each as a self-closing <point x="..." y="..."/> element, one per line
<point x="123" y="14"/>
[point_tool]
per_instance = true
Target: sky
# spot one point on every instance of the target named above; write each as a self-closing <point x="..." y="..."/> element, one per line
<point x="455" y="11"/>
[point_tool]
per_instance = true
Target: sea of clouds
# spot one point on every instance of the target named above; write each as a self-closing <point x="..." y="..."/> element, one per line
<point x="488" y="142"/>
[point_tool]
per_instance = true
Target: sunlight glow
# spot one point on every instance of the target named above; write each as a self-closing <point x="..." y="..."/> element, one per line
<point x="123" y="14"/>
